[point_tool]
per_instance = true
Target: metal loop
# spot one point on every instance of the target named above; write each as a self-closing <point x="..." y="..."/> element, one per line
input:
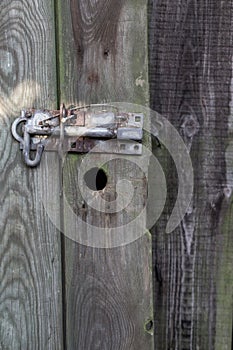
<point x="26" y="151"/>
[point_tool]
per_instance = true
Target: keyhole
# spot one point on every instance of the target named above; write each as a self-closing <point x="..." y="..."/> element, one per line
<point x="96" y="179"/>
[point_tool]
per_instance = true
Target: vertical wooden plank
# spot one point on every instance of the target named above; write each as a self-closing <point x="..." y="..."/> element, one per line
<point x="103" y="57"/>
<point x="191" y="83"/>
<point x="30" y="272"/>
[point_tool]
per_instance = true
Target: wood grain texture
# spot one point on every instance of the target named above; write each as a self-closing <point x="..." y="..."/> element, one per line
<point x="30" y="266"/>
<point x="100" y="62"/>
<point x="191" y="79"/>
<point x="108" y="291"/>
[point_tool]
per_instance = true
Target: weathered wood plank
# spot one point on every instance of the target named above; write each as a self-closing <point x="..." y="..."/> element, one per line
<point x="103" y="56"/>
<point x="30" y="272"/>
<point x="190" y="77"/>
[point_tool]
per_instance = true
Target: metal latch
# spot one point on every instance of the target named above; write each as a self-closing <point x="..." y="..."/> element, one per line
<point x="78" y="130"/>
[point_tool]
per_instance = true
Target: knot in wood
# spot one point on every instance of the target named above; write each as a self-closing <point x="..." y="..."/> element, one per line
<point x="190" y="125"/>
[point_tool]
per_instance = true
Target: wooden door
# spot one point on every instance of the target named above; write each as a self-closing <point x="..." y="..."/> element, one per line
<point x="57" y="293"/>
<point x="30" y="245"/>
<point x="108" y="296"/>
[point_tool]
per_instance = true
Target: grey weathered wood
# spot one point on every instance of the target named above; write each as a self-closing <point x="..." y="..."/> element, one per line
<point x="30" y="264"/>
<point x="103" y="57"/>
<point x="191" y="84"/>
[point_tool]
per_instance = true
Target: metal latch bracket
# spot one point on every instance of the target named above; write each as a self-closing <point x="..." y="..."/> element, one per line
<point x="78" y="130"/>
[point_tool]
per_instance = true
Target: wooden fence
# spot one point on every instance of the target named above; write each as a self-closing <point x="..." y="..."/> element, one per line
<point x="56" y="293"/>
